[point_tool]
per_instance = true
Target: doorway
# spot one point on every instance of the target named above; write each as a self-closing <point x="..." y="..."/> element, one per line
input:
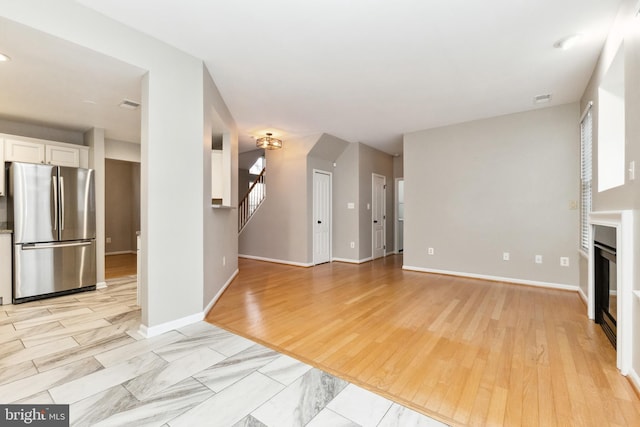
<point x="378" y="216"/>
<point x="122" y="217"/>
<point x="399" y="234"/>
<point x="321" y="217"/>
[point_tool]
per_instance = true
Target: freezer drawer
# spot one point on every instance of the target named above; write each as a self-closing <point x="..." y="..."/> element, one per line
<point x="46" y="268"/>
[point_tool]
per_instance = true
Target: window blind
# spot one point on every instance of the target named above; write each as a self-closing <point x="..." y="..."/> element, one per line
<point x="585" y="178"/>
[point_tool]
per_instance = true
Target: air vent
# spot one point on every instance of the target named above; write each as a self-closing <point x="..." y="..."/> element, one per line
<point x="541" y="99"/>
<point x="129" y="104"/>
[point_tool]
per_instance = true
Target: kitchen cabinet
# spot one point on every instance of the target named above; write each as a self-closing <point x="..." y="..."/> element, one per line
<point x="5" y="268"/>
<point x="31" y="150"/>
<point x="2" y="172"/>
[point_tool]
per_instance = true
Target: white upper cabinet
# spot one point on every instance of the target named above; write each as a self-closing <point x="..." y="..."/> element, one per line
<point x="30" y="150"/>
<point x="23" y="151"/>
<point x="62" y="156"/>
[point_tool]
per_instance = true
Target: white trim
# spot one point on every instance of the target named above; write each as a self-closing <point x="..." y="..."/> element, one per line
<point x="586" y="110"/>
<point x="634" y="379"/>
<point x="277" y="261"/>
<point x="217" y="296"/>
<point x="384" y="214"/>
<point x="353" y="261"/>
<point x="390" y="253"/>
<point x="396" y="220"/>
<point x="583" y="296"/>
<point x="622" y="221"/>
<point x="101" y="285"/>
<point x="495" y="278"/>
<point x="313" y="220"/>
<point x="119" y="253"/>
<point x="152" y="331"/>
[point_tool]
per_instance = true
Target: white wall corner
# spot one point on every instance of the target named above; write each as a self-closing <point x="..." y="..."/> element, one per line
<point x="583" y="296"/>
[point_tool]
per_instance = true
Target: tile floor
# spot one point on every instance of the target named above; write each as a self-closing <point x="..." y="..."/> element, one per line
<point x="84" y="350"/>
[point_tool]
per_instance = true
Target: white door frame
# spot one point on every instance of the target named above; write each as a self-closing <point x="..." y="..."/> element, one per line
<point x="313" y="213"/>
<point x="384" y="215"/>
<point x="396" y="217"/>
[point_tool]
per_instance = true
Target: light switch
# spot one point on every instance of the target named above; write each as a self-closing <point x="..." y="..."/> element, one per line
<point x="351" y="206"/>
<point x="368" y="206"/>
<point x="632" y="170"/>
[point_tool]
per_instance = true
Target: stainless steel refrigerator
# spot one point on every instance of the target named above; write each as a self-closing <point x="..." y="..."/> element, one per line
<point x="52" y="210"/>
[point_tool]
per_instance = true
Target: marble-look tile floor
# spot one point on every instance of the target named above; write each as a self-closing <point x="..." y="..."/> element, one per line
<point x="84" y="350"/>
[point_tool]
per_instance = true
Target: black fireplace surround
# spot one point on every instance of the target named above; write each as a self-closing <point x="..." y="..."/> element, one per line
<point x="605" y="280"/>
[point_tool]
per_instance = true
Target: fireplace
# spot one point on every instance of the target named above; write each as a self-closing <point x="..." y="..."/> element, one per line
<point x="606" y="280"/>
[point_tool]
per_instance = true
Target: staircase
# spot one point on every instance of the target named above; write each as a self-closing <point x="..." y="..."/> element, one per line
<point x="251" y="201"/>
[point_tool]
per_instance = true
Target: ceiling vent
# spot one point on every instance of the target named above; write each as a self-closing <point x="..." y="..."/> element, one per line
<point x="541" y="99"/>
<point x="129" y="104"/>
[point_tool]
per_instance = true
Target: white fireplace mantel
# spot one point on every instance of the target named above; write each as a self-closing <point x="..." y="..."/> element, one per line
<point x="622" y="221"/>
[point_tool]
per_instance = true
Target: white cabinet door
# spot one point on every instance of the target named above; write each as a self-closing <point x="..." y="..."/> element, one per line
<point x="23" y="151"/>
<point x="62" y="156"/>
<point x="5" y="268"/>
<point x="2" y="189"/>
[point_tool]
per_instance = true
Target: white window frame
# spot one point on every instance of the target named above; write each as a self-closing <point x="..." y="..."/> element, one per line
<point x="586" y="175"/>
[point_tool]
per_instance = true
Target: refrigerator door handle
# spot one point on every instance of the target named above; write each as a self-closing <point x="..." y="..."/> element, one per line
<point x="33" y="246"/>
<point x="61" y="203"/>
<point x="55" y="204"/>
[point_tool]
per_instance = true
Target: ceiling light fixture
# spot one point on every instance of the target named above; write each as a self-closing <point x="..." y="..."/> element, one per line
<point x="268" y="142"/>
<point x="567" y="42"/>
<point x="4" y="58"/>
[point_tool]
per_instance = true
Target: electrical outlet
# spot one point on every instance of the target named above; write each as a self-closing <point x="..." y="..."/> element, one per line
<point x="505" y="256"/>
<point x="538" y="259"/>
<point x="353" y="245"/>
<point x="224" y="261"/>
<point x="108" y="239"/>
<point x="564" y="261"/>
<point x="430" y="251"/>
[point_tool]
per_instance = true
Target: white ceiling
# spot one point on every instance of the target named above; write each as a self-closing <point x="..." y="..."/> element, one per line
<point x="371" y="70"/>
<point x="52" y="82"/>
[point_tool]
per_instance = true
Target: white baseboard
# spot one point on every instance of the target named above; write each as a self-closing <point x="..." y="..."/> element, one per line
<point x="391" y="253"/>
<point x="219" y="294"/>
<point x="635" y="380"/>
<point x="152" y="331"/>
<point x="352" y="261"/>
<point x="101" y="285"/>
<point x="583" y="296"/>
<point x="120" y="253"/>
<point x="277" y="261"/>
<point x="495" y="278"/>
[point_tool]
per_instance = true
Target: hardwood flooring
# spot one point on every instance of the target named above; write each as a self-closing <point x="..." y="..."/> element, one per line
<point x="464" y="351"/>
<point x="120" y="265"/>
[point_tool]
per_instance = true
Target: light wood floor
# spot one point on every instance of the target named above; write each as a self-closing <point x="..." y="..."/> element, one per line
<point x="120" y="265"/>
<point x="464" y="351"/>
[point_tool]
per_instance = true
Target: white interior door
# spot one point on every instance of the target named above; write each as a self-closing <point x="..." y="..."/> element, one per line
<point x="321" y="217"/>
<point x="378" y="216"/>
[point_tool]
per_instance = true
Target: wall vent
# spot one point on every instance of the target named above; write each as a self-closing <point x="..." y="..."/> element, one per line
<point x="541" y="99"/>
<point x="129" y="104"/>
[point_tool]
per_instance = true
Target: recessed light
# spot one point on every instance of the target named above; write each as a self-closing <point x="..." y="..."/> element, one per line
<point x="567" y="42"/>
<point x="4" y="58"/>
<point x="541" y="99"/>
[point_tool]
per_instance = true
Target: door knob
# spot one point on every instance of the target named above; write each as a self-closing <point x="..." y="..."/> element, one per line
<point x="319" y="222"/>
<point x="375" y="221"/>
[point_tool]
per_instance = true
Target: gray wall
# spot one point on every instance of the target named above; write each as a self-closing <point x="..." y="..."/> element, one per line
<point x="626" y="32"/>
<point x="374" y="161"/>
<point x="122" y="205"/>
<point x="504" y="184"/>
<point x="280" y="228"/>
<point x="345" y="190"/>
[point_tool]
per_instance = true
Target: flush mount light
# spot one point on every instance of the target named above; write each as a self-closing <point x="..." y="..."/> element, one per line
<point x="567" y="42"/>
<point x="4" y="58"/>
<point x="268" y="142"/>
<point x="541" y="99"/>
